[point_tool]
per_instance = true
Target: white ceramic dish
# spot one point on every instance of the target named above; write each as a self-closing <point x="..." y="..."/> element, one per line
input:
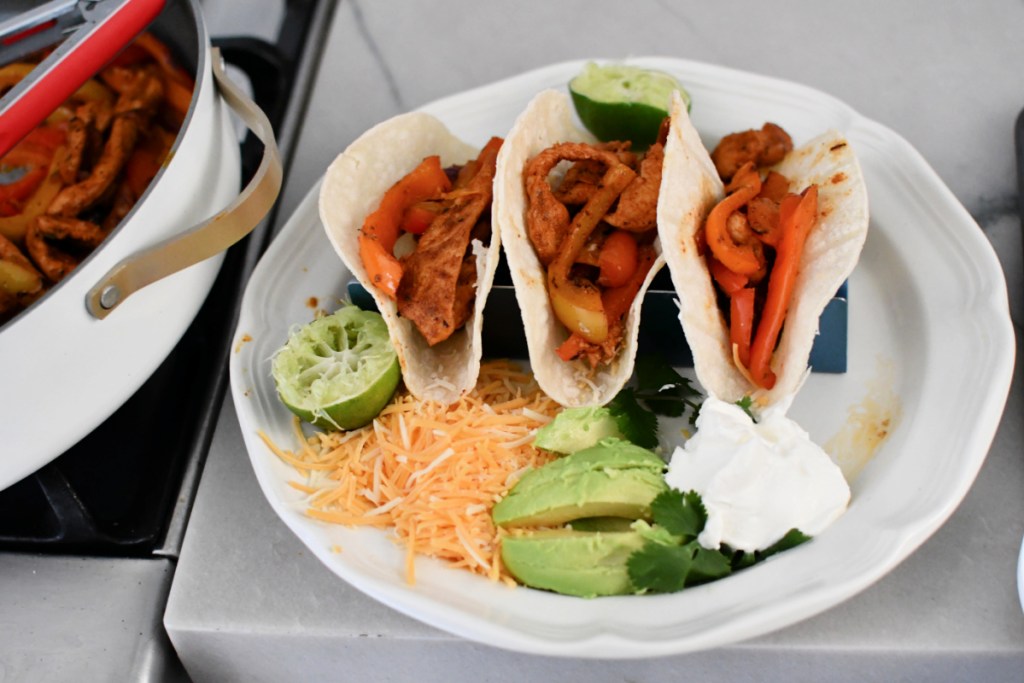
<point x="1020" y="575"/>
<point x="928" y="294"/>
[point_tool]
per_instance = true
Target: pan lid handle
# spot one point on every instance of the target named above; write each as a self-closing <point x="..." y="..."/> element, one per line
<point x="210" y="237"/>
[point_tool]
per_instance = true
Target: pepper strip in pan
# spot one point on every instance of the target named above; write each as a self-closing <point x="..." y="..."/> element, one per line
<point x="68" y="184"/>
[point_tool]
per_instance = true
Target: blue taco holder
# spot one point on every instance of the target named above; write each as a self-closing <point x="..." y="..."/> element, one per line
<point x="660" y="331"/>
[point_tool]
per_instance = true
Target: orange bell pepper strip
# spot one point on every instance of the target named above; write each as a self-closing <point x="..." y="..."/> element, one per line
<point x="178" y="97"/>
<point x="146" y="160"/>
<point x="178" y="83"/>
<point x="161" y="54"/>
<point x="92" y="89"/>
<point x="741" y="322"/>
<point x="381" y="228"/>
<point x="775" y="186"/>
<point x="797" y="217"/>
<point x="739" y="258"/>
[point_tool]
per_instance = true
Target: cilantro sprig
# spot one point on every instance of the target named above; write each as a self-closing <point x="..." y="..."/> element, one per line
<point x="636" y="423"/>
<point x="742" y="560"/>
<point x="746" y="403"/>
<point x="664" y="390"/>
<point x="659" y="390"/>
<point x="671" y="559"/>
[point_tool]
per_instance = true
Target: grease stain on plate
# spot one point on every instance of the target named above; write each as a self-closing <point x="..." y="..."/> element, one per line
<point x="868" y="423"/>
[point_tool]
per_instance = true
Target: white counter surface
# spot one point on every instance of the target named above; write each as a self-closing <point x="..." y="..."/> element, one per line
<point x="248" y="602"/>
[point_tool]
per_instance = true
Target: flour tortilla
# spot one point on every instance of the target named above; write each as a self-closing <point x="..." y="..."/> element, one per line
<point x="546" y="120"/>
<point x="352" y="188"/>
<point x="691" y="187"/>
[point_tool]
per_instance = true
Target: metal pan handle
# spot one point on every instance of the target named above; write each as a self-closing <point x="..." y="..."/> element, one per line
<point x="211" y="237"/>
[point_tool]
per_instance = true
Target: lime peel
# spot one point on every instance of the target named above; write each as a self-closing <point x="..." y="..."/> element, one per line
<point x="339" y="371"/>
<point x="624" y="102"/>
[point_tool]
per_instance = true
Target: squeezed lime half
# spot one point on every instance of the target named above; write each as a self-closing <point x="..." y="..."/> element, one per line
<point x="623" y="102"/>
<point x="338" y="372"/>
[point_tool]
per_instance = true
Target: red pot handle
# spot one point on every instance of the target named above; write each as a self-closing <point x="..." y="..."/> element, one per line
<point x="109" y="25"/>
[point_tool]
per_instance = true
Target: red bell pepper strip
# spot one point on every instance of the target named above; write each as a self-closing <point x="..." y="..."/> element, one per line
<point x="797" y="217"/>
<point x="729" y="281"/>
<point x="571" y="347"/>
<point x="616" y="302"/>
<point x="418" y="217"/>
<point x="381" y="228"/>
<point x="13" y="195"/>
<point x="617" y="259"/>
<point x="33" y="153"/>
<point x="741" y="322"/>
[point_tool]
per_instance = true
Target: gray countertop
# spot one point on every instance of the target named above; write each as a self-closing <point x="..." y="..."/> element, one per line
<point x="248" y="601"/>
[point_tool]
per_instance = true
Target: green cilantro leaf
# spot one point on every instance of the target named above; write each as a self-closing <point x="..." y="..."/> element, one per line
<point x="656" y="534"/>
<point x="637" y="425"/>
<point x="745" y="403"/>
<point x="792" y="539"/>
<point x="660" y="390"/>
<point x="664" y="390"/>
<point x="742" y="560"/>
<point x="708" y="565"/>
<point x="659" y="568"/>
<point x="663" y="568"/>
<point x="672" y="559"/>
<point x="683" y="515"/>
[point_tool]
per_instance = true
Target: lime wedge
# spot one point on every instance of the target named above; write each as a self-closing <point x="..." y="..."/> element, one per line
<point x="622" y="102"/>
<point x="338" y="372"/>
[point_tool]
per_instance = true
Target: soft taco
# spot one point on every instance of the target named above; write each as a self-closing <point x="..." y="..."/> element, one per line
<point x="578" y="221"/>
<point x="407" y="207"/>
<point x="758" y="238"/>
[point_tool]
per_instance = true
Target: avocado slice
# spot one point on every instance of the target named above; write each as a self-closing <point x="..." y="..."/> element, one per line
<point x="601" y="524"/>
<point x="612" y="479"/>
<point x="581" y="563"/>
<point x="576" y="429"/>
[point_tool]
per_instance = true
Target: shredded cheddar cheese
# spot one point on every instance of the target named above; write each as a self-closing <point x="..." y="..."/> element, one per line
<point x="429" y="472"/>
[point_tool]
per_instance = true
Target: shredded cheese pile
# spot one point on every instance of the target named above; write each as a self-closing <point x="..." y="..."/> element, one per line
<point x="430" y="472"/>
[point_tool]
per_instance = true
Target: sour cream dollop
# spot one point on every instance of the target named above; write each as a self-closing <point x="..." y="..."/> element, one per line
<point x="757" y="480"/>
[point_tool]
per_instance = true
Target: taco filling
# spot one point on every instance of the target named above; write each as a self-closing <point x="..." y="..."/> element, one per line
<point x="753" y="241"/>
<point x="593" y="231"/>
<point x="416" y="246"/>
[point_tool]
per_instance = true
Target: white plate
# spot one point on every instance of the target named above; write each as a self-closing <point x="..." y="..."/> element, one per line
<point x="1020" y="575"/>
<point x="927" y="296"/>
